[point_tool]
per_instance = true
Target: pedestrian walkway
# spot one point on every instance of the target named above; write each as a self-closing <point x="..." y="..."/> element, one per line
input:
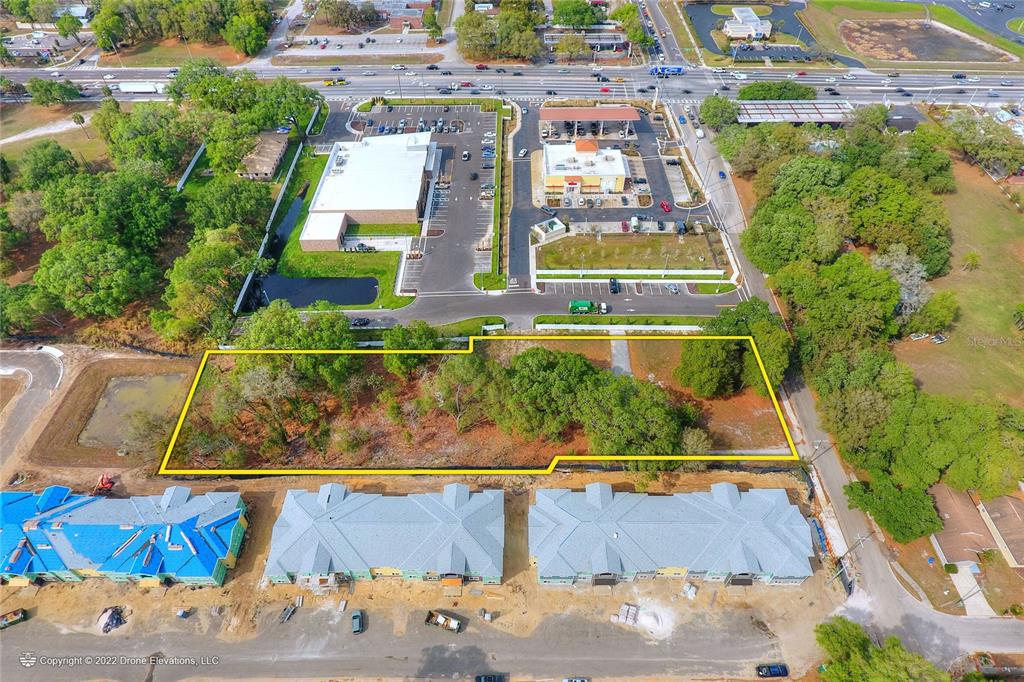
<point x="970" y="592"/>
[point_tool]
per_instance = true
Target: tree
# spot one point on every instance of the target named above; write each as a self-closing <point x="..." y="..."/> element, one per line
<point x="18" y="8"/>
<point x="283" y="100"/>
<point x="201" y="286"/>
<point x="69" y="25"/>
<point x="42" y="11"/>
<point x="754" y="318"/>
<point x="1018" y="317"/>
<point x="459" y="387"/>
<point x="907" y="514"/>
<point x="152" y="131"/>
<point x="908" y="272"/>
<point x="696" y="442"/>
<point x="971" y="261"/>
<point x="22" y="305"/>
<point x="108" y="27"/>
<point x="572" y="46"/>
<point x="227" y="142"/>
<point x="543" y="392"/>
<point x="79" y="121"/>
<point x="418" y="335"/>
<point x="575" y="13"/>
<point x="246" y="34"/>
<point x="475" y="34"/>
<point x="26" y="211"/>
<point x="94" y="277"/>
<point x="106" y="117"/>
<point x="853" y="657"/>
<point x="192" y="77"/>
<point x="776" y="90"/>
<point x="230" y="200"/>
<point x="431" y="24"/>
<point x="6" y="58"/>
<point x="710" y="368"/>
<point x="44" y="162"/>
<point x="47" y="93"/>
<point x="935" y="315"/>
<point x="717" y="112"/>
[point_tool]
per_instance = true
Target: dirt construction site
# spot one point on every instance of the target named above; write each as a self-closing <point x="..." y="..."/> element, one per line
<point x="103" y="385"/>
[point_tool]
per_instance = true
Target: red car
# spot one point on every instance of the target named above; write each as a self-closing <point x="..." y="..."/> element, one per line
<point x="606" y="89"/>
<point x="481" y="67"/>
<point x="801" y="73"/>
<point x="465" y="84"/>
<point x="624" y="225"/>
<point x="666" y="207"/>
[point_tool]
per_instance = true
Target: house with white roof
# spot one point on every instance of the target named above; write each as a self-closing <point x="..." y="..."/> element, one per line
<point x="600" y="536"/>
<point x="746" y="25"/>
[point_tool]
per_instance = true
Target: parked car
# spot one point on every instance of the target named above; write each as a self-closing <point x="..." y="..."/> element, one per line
<point x="939" y="338"/>
<point x="522" y="153"/>
<point x="672" y="288"/>
<point x="613" y="285"/>
<point x="357" y="621"/>
<point x="465" y="156"/>
<point x="550" y="211"/>
<point x="360" y="321"/>
<point x="772" y="670"/>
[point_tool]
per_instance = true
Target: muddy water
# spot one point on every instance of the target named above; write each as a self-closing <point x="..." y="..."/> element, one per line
<point x="160" y="394"/>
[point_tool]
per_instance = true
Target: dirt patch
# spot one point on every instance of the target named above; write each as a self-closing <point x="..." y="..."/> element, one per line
<point x="919" y="560"/>
<point x="59" y="444"/>
<point x="368" y="60"/>
<point x="745" y="422"/>
<point x="916" y="41"/>
<point x="10" y="386"/>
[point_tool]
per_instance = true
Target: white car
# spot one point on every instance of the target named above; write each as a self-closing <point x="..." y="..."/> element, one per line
<point x="108" y="77"/>
<point x="369" y="73"/>
<point x="830" y="79"/>
<point x="791" y="76"/>
<point x="739" y="76"/>
<point x="973" y="79"/>
<point x="522" y="153"/>
<point x="398" y="67"/>
<point x="389" y="92"/>
<point x="886" y="81"/>
<point x="718" y="69"/>
<point x="595" y="67"/>
<point x="849" y="77"/>
<point x="486" y="87"/>
<point x="411" y="73"/>
<point x="55" y="74"/>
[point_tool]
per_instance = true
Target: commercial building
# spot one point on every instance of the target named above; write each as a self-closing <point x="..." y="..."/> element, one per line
<point x="604" y="39"/>
<point x="746" y="25"/>
<point x="179" y="537"/>
<point x="600" y="536"/>
<point x="333" y="535"/>
<point x="583" y="167"/>
<point x="262" y="162"/>
<point x="378" y="180"/>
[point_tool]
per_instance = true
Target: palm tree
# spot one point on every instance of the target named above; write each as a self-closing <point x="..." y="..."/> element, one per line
<point x="80" y="121"/>
<point x="1018" y="317"/>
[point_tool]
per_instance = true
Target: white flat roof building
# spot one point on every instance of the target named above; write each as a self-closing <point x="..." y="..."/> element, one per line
<point x="746" y="24"/>
<point x="584" y="166"/>
<point x="375" y="180"/>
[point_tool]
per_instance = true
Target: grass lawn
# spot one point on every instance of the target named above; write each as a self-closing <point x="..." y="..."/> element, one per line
<point x="84" y="144"/>
<point x="1003" y="586"/>
<point x="489" y="281"/>
<point x="626" y="252"/>
<point x="295" y="262"/>
<point x="18" y="118"/>
<point x="931" y="578"/>
<point x="1016" y="25"/>
<point x="472" y="326"/>
<point x="984" y="357"/>
<point x="384" y="229"/>
<point x="620" y="319"/>
<point x="726" y="10"/>
<point x="707" y="288"/>
<point x="171" y="52"/>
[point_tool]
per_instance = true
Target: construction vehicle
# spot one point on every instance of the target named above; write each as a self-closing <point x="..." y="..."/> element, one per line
<point x="104" y="486"/>
<point x="443" y="620"/>
<point x="12" y="618"/>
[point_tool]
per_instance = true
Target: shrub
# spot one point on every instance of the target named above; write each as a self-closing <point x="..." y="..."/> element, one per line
<point x="952" y="569"/>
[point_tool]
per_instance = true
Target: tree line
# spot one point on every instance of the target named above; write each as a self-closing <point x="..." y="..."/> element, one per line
<point x="538" y="394"/>
<point x="110" y="230"/>
<point x="821" y="193"/>
<point x="510" y="35"/>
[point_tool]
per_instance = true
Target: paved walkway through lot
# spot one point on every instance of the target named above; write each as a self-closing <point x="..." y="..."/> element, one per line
<point x="620" y="355"/>
<point x="970" y="593"/>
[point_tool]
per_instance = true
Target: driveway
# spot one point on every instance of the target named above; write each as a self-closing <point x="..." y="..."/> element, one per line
<point x="41" y="373"/>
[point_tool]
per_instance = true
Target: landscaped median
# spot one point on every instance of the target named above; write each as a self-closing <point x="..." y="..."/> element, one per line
<point x="495" y="279"/>
<point x="694" y="321"/>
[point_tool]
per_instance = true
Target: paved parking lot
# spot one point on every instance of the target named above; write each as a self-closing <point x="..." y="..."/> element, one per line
<point x="458" y="219"/>
<point x="598" y="289"/>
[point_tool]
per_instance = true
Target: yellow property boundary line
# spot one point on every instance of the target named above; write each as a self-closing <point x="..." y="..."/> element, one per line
<point x="792" y="456"/>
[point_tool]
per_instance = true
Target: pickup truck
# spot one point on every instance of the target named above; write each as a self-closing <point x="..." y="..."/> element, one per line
<point x="443" y="620"/>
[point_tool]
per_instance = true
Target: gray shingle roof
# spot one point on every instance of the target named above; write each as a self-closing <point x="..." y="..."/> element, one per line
<point x="721" y="531"/>
<point x="337" y="530"/>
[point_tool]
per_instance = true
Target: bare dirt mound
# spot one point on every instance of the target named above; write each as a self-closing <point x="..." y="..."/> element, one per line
<point x="901" y="40"/>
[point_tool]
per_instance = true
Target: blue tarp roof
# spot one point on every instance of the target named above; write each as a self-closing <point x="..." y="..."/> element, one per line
<point x="174" y="534"/>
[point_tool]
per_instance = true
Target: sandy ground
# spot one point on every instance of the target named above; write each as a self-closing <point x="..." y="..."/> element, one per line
<point x="10" y="386"/>
<point x="48" y="129"/>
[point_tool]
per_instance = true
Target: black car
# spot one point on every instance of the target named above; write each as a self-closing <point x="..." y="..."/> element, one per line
<point x="613" y="285"/>
<point x="444" y="91"/>
<point x="551" y="60"/>
<point x="724" y="87"/>
<point x="490" y="678"/>
<point x="959" y="76"/>
<point x="687" y="92"/>
<point x="625" y="201"/>
<point x="905" y="94"/>
<point x="551" y="92"/>
<point x="772" y="670"/>
<point x="499" y="71"/>
<point x="473" y="176"/>
<point x="433" y="67"/>
<point x="446" y="73"/>
<point x="517" y="73"/>
<point x="550" y="211"/>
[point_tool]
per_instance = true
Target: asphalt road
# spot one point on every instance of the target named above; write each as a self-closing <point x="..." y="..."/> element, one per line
<point x="41" y="373"/>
